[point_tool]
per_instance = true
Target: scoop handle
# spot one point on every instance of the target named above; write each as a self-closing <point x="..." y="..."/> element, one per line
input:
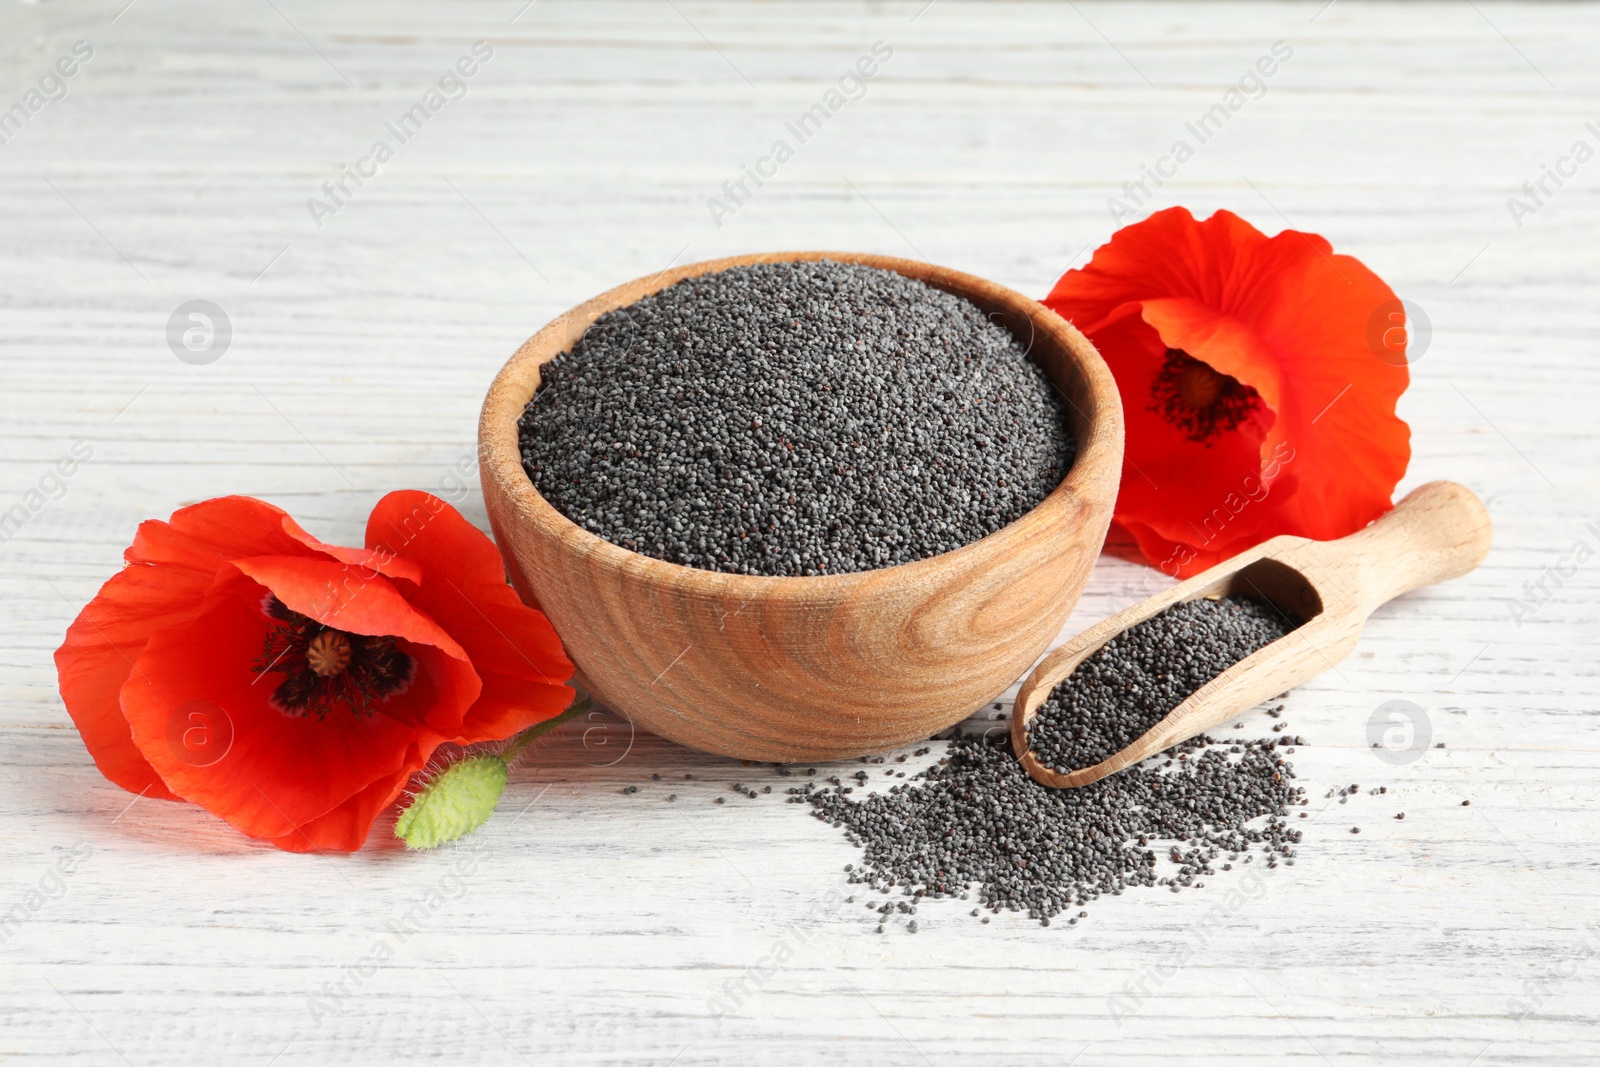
<point x="1439" y="531"/>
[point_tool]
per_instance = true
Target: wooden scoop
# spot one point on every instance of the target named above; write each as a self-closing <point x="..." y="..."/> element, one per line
<point x="1438" y="531"/>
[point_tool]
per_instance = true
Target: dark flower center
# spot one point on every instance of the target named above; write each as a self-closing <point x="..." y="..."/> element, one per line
<point x="324" y="668"/>
<point x="1199" y="400"/>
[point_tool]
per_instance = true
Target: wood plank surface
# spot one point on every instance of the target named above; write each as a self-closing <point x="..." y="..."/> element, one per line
<point x="588" y="926"/>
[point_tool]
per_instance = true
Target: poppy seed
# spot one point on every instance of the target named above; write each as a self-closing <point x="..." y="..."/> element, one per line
<point x="977" y="819"/>
<point x="795" y="419"/>
<point x="1138" y="677"/>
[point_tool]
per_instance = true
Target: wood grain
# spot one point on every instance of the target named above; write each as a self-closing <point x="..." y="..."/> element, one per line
<point x="1438" y="532"/>
<point x="598" y="927"/>
<point x="764" y="668"/>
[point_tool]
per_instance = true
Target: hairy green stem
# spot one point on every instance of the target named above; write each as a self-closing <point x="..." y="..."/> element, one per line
<point x="514" y="748"/>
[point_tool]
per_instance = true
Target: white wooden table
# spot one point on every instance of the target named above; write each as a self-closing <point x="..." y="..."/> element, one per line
<point x="597" y="927"/>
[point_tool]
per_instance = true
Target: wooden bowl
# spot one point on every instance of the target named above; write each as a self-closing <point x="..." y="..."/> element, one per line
<point x="802" y="669"/>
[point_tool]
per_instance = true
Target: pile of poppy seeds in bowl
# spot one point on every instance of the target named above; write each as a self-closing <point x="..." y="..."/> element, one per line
<point x="1135" y="679"/>
<point x="795" y="419"/>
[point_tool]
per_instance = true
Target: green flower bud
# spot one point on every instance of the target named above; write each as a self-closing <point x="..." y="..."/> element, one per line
<point x="457" y="801"/>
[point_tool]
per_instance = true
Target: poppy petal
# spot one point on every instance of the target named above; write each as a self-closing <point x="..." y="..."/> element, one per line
<point x="1338" y="407"/>
<point x="344" y="597"/>
<point x="1222" y="262"/>
<point x="163" y="670"/>
<point x="349" y="599"/>
<point x="1216" y="339"/>
<point x="1187" y="491"/>
<point x="346" y="826"/>
<point x="206" y="535"/>
<point x="515" y="652"/>
<point x="1178" y="559"/>
<point x="98" y="655"/>
<point x="513" y="647"/>
<point x="424" y="528"/>
<point x="277" y="772"/>
<point x="1283" y="315"/>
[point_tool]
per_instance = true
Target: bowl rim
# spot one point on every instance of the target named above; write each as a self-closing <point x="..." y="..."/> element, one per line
<point x="500" y="453"/>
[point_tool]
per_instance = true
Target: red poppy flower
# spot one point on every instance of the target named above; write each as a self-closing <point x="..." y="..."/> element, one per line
<point x="294" y="687"/>
<point x="1258" y="377"/>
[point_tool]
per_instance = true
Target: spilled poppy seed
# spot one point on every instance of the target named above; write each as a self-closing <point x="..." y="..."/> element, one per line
<point x="977" y="820"/>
